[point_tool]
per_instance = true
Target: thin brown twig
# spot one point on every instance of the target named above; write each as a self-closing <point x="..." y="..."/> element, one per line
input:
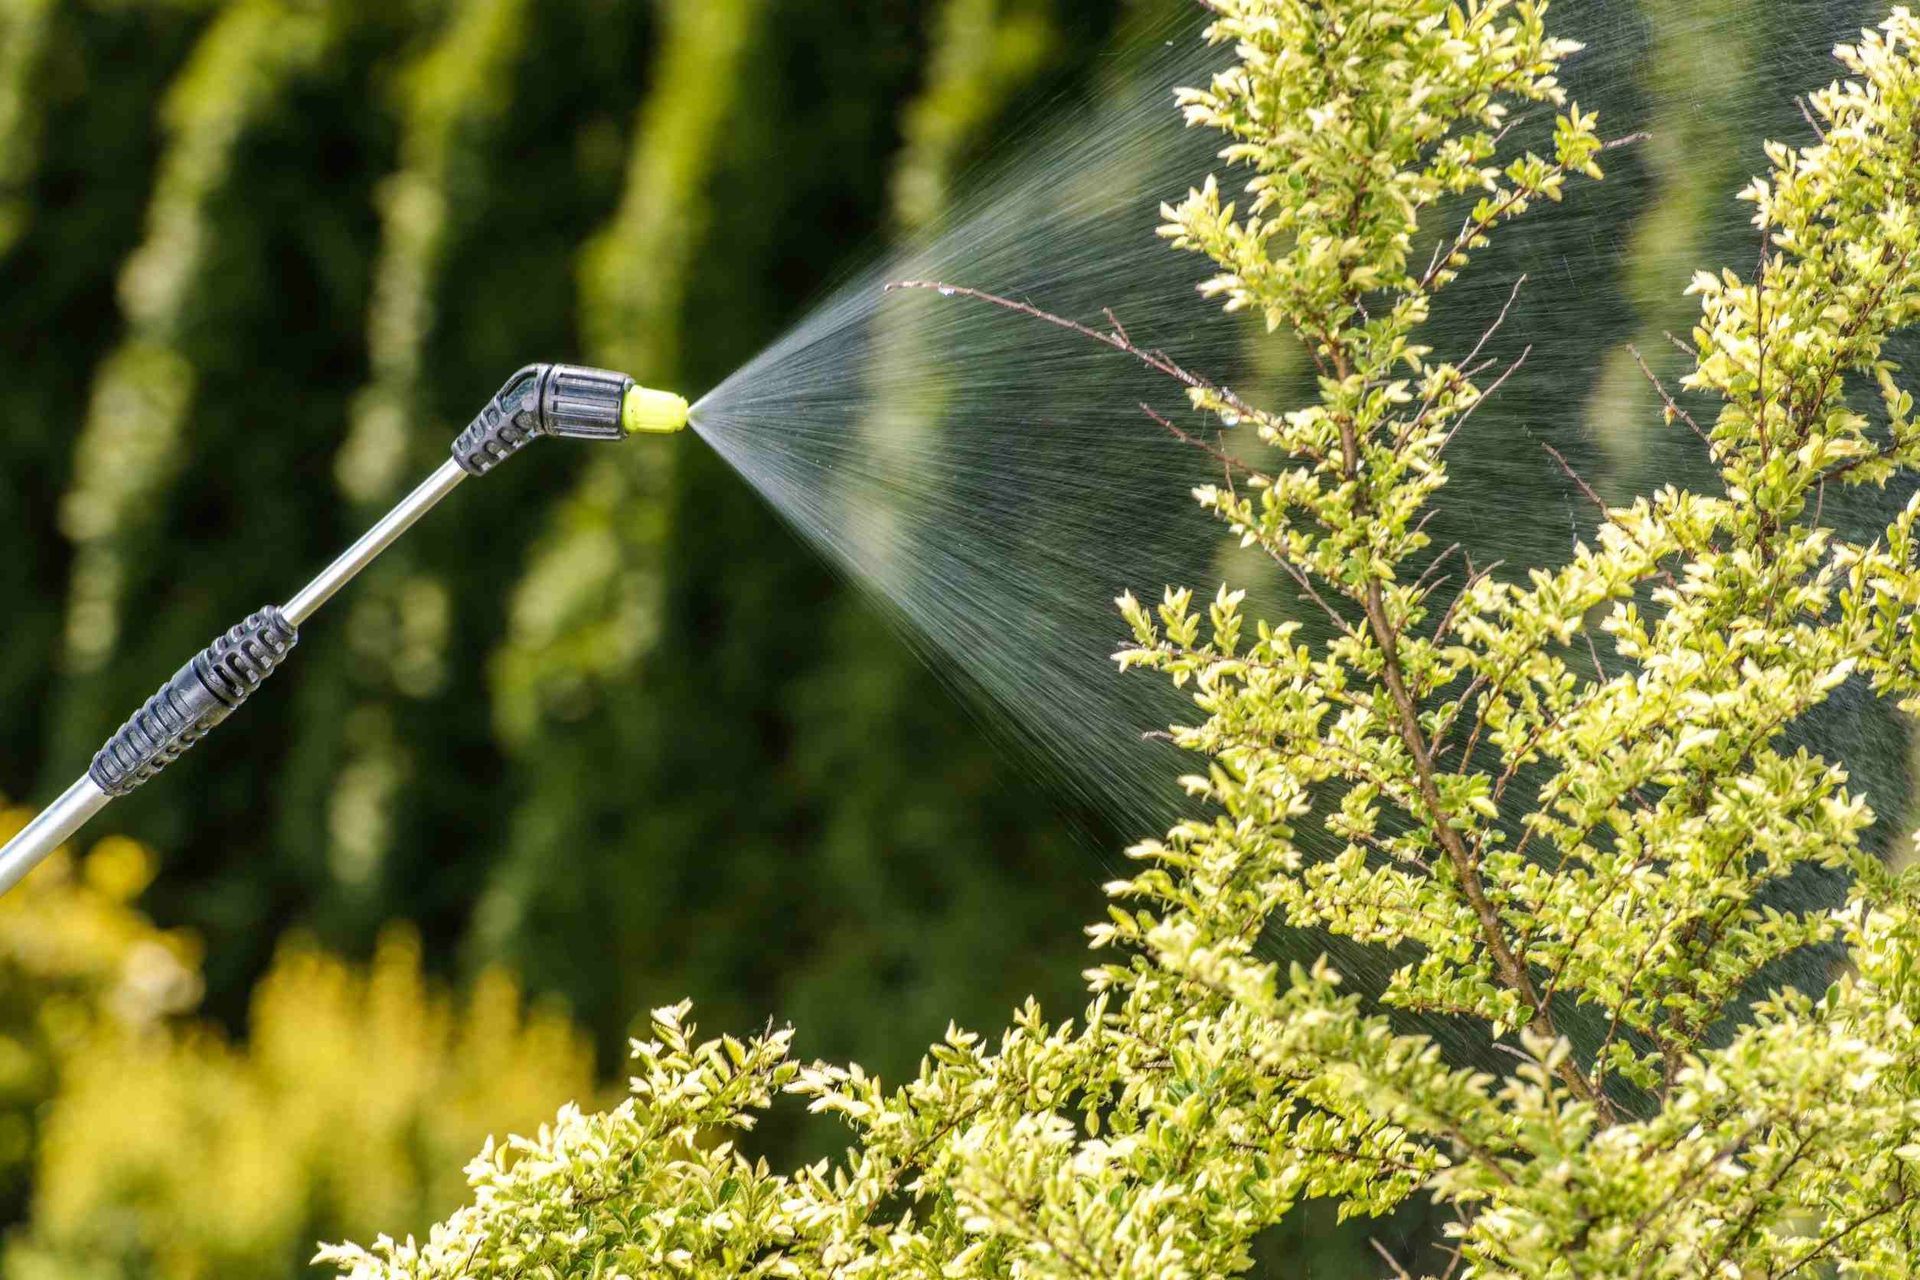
<point x="1666" y="575"/>
<point x="1593" y="652"/>
<point x="1513" y="296"/>
<point x="1806" y="113"/>
<point x="1585" y="488"/>
<point x="1511" y="125"/>
<point x="1310" y="592"/>
<point x="1447" y="251"/>
<point x="1474" y="578"/>
<point x="1156" y="360"/>
<point x="1466" y="370"/>
<point x="1485" y="396"/>
<point x="1225" y="459"/>
<point x="1826" y="1243"/>
<point x="1672" y="405"/>
<point x="1434" y="564"/>
<point x="1389" y="1259"/>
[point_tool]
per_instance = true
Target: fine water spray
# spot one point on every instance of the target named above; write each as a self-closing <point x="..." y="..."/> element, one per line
<point x="568" y="401"/>
<point x="990" y="481"/>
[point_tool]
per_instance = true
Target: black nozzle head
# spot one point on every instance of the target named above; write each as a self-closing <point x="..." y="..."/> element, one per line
<point x="544" y="400"/>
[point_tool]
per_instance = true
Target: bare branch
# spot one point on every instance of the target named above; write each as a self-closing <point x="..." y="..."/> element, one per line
<point x="1474" y="577"/>
<point x="1806" y="113"/>
<point x="1227" y="460"/>
<point x="1485" y="396"/>
<point x="1512" y="296"/>
<point x="1393" y="1262"/>
<point x="1574" y="476"/>
<point x="1309" y="592"/>
<point x="1445" y="253"/>
<point x="1467" y="370"/>
<point x="1672" y="405"/>
<point x="1435" y="564"/>
<point x="1156" y="360"/>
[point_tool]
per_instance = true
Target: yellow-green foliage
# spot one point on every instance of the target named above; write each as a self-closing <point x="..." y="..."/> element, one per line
<point x="23" y="38"/>
<point x="586" y="609"/>
<point x="77" y="961"/>
<point x="981" y="50"/>
<point x="352" y="1101"/>
<point x="157" y="1147"/>
<point x="450" y="98"/>
<point x="127" y="453"/>
<point x="451" y="101"/>
<point x="1561" y="797"/>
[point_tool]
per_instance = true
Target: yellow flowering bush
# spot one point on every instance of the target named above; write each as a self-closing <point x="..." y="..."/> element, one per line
<point x="156" y="1146"/>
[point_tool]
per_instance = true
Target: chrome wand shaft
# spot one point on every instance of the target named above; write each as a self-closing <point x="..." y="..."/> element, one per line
<point x="540" y="400"/>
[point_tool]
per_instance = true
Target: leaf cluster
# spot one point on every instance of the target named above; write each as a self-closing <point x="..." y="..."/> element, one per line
<point x="1562" y="801"/>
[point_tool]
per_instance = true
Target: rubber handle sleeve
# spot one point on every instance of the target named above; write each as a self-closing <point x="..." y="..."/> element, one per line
<point x="199" y="696"/>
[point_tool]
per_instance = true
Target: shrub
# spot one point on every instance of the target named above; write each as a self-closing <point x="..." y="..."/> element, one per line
<point x="157" y="1147"/>
<point x="1562" y="801"/>
<point x="346" y="1108"/>
<point x="77" y="961"/>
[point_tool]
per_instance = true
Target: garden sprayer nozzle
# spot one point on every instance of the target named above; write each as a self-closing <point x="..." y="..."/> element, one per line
<point x="650" y="412"/>
<point x="540" y="400"/>
<point x="562" y="400"/>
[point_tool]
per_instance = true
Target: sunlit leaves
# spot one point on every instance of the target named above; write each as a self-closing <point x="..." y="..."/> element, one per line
<point x="1559" y="799"/>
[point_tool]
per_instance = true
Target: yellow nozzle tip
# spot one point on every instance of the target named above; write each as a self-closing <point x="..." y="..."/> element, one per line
<point x="654" y="412"/>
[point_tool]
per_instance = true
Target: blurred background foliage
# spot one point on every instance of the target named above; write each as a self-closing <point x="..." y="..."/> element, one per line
<point x="605" y="730"/>
<point x="601" y="735"/>
<point x="148" y="1142"/>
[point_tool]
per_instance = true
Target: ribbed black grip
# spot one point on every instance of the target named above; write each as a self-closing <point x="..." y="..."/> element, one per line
<point x="199" y="696"/>
<point x="543" y="400"/>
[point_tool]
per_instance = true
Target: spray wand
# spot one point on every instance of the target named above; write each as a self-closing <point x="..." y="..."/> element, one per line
<point x="540" y="400"/>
